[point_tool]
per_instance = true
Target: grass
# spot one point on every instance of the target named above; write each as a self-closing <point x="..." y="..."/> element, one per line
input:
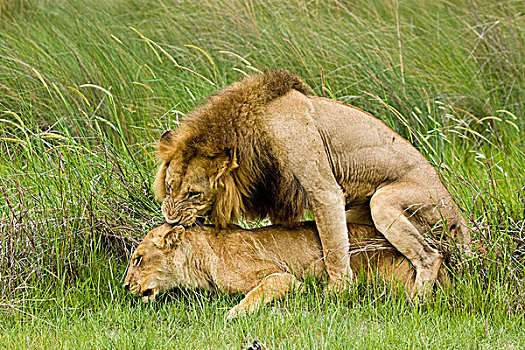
<point x="86" y="90"/>
<point x="299" y="322"/>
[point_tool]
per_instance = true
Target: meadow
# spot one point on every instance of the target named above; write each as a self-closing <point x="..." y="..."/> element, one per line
<point x="87" y="88"/>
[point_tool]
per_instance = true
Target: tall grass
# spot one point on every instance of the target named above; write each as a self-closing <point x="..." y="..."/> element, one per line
<point x="86" y="90"/>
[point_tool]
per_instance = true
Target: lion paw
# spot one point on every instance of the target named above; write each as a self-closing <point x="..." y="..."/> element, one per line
<point x="422" y="289"/>
<point x="235" y="312"/>
<point x="426" y="278"/>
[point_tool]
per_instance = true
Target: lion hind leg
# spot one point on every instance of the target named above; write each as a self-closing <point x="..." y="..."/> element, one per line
<point x="272" y="287"/>
<point x="388" y="213"/>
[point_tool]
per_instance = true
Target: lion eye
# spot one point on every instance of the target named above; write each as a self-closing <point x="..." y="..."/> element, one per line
<point x="168" y="190"/>
<point x="137" y="260"/>
<point x="194" y="194"/>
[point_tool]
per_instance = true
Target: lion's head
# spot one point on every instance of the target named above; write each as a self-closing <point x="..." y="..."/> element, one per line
<point x="195" y="184"/>
<point x="156" y="262"/>
<point x="219" y="163"/>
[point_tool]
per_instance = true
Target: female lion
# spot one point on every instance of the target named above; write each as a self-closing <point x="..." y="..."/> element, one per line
<point x="266" y="263"/>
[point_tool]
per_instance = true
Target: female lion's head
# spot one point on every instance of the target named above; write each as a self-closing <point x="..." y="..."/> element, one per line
<point x="157" y="264"/>
<point x="196" y="183"/>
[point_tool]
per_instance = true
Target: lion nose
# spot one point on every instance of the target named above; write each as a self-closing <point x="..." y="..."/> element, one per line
<point x="126" y="286"/>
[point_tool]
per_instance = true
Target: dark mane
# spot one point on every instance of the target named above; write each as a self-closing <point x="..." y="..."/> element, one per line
<point x="230" y="122"/>
<point x="236" y="108"/>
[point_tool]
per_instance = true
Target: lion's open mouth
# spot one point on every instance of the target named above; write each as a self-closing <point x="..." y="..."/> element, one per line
<point x="148" y="295"/>
<point x="187" y="221"/>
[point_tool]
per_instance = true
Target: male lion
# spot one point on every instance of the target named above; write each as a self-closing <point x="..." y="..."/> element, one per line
<point x="265" y="263"/>
<point x="263" y="147"/>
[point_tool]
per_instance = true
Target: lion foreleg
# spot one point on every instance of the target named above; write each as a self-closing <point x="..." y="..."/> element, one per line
<point x="331" y="224"/>
<point x="308" y="161"/>
<point x="272" y="287"/>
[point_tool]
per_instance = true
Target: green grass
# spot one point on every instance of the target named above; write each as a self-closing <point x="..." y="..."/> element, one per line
<point x="87" y="89"/>
<point x="366" y="318"/>
<point x="298" y="322"/>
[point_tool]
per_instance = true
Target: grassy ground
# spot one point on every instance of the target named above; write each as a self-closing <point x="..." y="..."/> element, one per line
<point x="299" y="322"/>
<point x="86" y="90"/>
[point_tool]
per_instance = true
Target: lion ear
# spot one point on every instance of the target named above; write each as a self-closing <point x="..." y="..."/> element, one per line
<point x="166" y="144"/>
<point x="232" y="156"/>
<point x="231" y="161"/>
<point x="227" y="164"/>
<point x="159" y="187"/>
<point x="172" y="237"/>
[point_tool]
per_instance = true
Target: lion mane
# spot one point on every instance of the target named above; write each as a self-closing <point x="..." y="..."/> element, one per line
<point x="228" y="126"/>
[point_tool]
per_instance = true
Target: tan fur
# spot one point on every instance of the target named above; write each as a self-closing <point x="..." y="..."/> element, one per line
<point x="262" y="147"/>
<point x="265" y="263"/>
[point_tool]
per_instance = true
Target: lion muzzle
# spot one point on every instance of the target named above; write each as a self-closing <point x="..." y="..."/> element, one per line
<point x="146" y="294"/>
<point x="185" y="217"/>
